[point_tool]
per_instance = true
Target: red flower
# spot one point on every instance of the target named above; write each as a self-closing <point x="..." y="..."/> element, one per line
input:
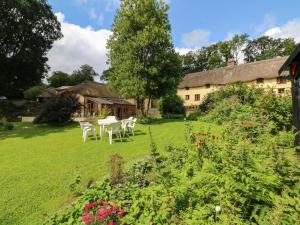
<point x="106" y="203"/>
<point x="88" y="218"/>
<point x="101" y="218"/>
<point x="102" y="212"/>
<point x="114" y="208"/>
<point x="110" y="223"/>
<point x="121" y="212"/>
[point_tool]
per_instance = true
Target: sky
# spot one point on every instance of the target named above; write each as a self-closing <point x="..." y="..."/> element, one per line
<point x="86" y="26"/>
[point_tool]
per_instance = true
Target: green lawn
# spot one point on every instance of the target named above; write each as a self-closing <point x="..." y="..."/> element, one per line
<point x="37" y="164"/>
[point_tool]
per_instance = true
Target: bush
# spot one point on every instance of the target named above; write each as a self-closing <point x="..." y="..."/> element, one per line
<point x="6" y="125"/>
<point x="144" y="120"/>
<point x="194" y="115"/>
<point x="9" y="110"/>
<point x="171" y="104"/>
<point x="33" y="92"/>
<point x="58" y="109"/>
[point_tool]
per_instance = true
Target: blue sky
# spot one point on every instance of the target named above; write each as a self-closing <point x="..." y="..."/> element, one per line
<point x="195" y="23"/>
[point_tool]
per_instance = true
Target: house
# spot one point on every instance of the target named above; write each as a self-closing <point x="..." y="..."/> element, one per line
<point x="94" y="98"/>
<point x="264" y="74"/>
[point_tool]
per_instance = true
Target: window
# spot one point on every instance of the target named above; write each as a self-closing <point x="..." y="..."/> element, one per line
<point x="197" y="97"/>
<point x="187" y="97"/>
<point x="281" y="80"/>
<point x="207" y="85"/>
<point x="280" y="90"/>
<point x="260" y="80"/>
<point x="187" y="88"/>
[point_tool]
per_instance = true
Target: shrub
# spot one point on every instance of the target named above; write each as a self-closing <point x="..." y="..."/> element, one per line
<point x="6" y="125"/>
<point x="145" y="120"/>
<point x="171" y="104"/>
<point x="33" y="92"/>
<point x="116" y="164"/>
<point x="9" y="110"/>
<point x="58" y="109"/>
<point x="194" y="115"/>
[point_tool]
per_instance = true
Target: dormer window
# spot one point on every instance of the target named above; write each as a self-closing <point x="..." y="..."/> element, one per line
<point x="207" y="85"/>
<point x="260" y="80"/>
<point x="187" y="88"/>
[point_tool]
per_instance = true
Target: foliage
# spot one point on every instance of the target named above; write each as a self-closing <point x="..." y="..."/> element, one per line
<point x="4" y="125"/>
<point x="218" y="54"/>
<point x="59" y="109"/>
<point x="171" y="104"/>
<point x="33" y="92"/>
<point x="212" y="179"/>
<point x="28" y="30"/>
<point x="243" y="104"/>
<point x="266" y="48"/>
<point x="116" y="164"/>
<point x="105" y="111"/>
<point x="194" y="115"/>
<point x="215" y="55"/>
<point x="59" y="79"/>
<point x="85" y="73"/>
<point x="8" y="110"/>
<point x="145" y="120"/>
<point x="142" y="59"/>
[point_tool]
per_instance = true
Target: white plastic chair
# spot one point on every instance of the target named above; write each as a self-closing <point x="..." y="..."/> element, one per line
<point x="114" y="128"/>
<point x="111" y="118"/>
<point x="124" y="125"/>
<point x="131" y="125"/>
<point x="86" y="127"/>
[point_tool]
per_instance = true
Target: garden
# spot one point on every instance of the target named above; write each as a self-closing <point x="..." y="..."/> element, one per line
<point x="243" y="173"/>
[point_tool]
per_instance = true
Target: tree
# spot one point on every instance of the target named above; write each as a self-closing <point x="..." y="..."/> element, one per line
<point x="171" y="104"/>
<point x="28" y="29"/>
<point x="237" y="43"/>
<point x="85" y="73"/>
<point x="33" y="92"/>
<point x="58" y="79"/>
<point x="59" y="109"/>
<point x="142" y="58"/>
<point x="267" y="47"/>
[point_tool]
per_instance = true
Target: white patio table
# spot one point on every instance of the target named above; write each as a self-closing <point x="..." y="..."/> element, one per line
<point x="105" y="122"/>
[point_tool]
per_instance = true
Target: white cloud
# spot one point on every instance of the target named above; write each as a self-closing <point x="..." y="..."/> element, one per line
<point x="80" y="45"/>
<point x="196" y="38"/>
<point x="268" y="22"/>
<point x="291" y="29"/>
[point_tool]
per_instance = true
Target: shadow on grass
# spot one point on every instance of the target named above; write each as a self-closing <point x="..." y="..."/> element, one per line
<point x="128" y="137"/>
<point x="30" y="130"/>
<point x="162" y="121"/>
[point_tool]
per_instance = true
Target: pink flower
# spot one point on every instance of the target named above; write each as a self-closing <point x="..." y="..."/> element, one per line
<point x="88" y="218"/>
<point x="114" y="208"/>
<point x="101" y="212"/>
<point x="101" y="218"/>
<point x="121" y="212"/>
<point x="110" y="223"/>
<point x="106" y="203"/>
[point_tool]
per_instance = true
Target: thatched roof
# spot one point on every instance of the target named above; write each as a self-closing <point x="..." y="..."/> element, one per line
<point x="48" y="93"/>
<point x="93" y="89"/>
<point x="245" y="72"/>
<point x="110" y="101"/>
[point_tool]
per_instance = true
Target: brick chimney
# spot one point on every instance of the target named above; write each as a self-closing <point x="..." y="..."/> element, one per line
<point x="231" y="62"/>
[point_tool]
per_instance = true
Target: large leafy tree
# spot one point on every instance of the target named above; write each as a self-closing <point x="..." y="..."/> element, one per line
<point x="59" y="78"/>
<point x="267" y="47"/>
<point x="85" y="73"/>
<point x="141" y="54"/>
<point x="28" y="29"/>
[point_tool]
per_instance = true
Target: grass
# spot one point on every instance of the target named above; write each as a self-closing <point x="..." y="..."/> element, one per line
<point x="38" y="163"/>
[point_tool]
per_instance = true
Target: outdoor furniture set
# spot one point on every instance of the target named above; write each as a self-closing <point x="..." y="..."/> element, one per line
<point x="109" y="125"/>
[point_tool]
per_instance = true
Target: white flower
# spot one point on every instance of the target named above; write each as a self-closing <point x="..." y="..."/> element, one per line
<point x="218" y="208"/>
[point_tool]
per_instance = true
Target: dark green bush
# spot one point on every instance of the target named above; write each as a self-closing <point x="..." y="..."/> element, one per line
<point x="173" y="116"/>
<point x="33" y="92"/>
<point x="194" y="115"/>
<point x="144" y="120"/>
<point x="171" y="104"/>
<point x="59" y="109"/>
<point x="4" y="125"/>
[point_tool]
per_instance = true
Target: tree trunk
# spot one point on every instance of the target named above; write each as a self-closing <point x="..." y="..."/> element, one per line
<point x="141" y="106"/>
<point x="148" y="105"/>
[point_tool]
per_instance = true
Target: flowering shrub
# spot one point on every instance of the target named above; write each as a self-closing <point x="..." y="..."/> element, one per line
<point x="101" y="212"/>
